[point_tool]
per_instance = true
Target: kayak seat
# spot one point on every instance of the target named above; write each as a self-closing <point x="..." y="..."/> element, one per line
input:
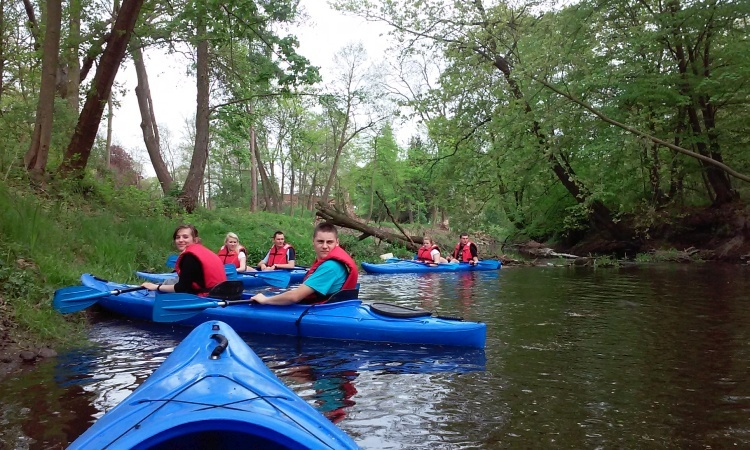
<point x="227" y="290"/>
<point x="342" y="295"/>
<point x="391" y="310"/>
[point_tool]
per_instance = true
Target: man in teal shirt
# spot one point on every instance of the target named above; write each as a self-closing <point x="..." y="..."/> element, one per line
<point x="333" y="270"/>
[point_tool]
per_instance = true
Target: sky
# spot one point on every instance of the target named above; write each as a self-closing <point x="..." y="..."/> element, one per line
<point x="174" y="94"/>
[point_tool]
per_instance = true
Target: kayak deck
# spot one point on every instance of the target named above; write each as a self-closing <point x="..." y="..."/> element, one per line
<point x="413" y="266"/>
<point x="213" y="392"/>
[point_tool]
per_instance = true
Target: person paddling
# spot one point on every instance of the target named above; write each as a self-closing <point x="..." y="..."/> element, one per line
<point x="334" y="270"/>
<point x="280" y="256"/>
<point x="198" y="268"/>
<point x="465" y="251"/>
<point x="234" y="253"/>
<point x="429" y="252"/>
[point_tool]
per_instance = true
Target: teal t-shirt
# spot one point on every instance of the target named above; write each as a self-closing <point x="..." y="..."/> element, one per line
<point x="328" y="278"/>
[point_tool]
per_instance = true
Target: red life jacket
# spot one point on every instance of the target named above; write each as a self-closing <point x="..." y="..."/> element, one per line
<point x="424" y="253"/>
<point x="465" y="255"/>
<point x="276" y="256"/>
<point x="340" y="255"/>
<point x="213" y="268"/>
<point x="230" y="257"/>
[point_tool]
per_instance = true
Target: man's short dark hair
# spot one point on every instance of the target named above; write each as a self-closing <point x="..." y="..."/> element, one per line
<point x="326" y="227"/>
<point x="277" y="233"/>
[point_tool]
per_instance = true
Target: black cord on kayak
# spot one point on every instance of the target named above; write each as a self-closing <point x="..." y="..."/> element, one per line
<point x="456" y="318"/>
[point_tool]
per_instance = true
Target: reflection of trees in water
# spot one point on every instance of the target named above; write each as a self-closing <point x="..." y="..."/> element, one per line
<point x="429" y="290"/>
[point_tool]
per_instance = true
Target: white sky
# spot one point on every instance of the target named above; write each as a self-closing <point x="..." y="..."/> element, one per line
<point x="174" y="94"/>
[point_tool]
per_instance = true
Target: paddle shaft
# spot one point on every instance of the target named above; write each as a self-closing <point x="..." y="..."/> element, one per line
<point x="101" y="294"/>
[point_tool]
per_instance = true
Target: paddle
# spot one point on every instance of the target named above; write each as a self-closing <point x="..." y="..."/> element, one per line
<point x="76" y="298"/>
<point x="278" y="279"/>
<point x="176" y="307"/>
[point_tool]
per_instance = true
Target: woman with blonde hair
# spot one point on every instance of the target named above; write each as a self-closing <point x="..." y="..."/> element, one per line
<point x="234" y="253"/>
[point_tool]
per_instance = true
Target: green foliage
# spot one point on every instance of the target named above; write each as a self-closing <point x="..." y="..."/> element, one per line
<point x="606" y="262"/>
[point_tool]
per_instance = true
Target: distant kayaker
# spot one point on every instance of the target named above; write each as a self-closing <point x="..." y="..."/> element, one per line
<point x="429" y="252"/>
<point x="234" y="253"/>
<point x="280" y="256"/>
<point x="334" y="270"/>
<point x="465" y="251"/>
<point x="198" y="268"/>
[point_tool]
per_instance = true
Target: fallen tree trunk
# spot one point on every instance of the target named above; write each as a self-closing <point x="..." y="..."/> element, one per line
<point x="536" y="249"/>
<point x="340" y="218"/>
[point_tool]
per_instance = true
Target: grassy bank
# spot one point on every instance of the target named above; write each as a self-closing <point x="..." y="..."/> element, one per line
<point x="48" y="241"/>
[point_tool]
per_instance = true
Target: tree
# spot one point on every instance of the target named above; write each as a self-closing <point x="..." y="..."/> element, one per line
<point x="36" y="157"/>
<point x="350" y="108"/>
<point x="77" y="154"/>
<point x="149" y="127"/>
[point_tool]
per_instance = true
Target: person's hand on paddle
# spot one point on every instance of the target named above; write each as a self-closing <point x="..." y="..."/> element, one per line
<point x="158" y="287"/>
<point x="259" y="298"/>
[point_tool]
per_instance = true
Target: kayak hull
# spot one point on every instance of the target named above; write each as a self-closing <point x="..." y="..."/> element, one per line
<point x="349" y="320"/>
<point x="230" y="401"/>
<point x="248" y="280"/>
<point x="413" y="266"/>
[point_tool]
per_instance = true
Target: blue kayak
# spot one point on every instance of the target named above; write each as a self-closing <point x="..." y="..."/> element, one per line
<point x="348" y="319"/>
<point x="413" y="266"/>
<point x="249" y="279"/>
<point x="213" y="392"/>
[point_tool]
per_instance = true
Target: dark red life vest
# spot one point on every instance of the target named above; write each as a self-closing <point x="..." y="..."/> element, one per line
<point x="340" y="255"/>
<point x="213" y="268"/>
<point x="465" y="255"/>
<point x="276" y="256"/>
<point x="230" y="257"/>
<point x="424" y="253"/>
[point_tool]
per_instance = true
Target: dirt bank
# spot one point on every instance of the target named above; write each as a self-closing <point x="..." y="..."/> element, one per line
<point x="17" y="353"/>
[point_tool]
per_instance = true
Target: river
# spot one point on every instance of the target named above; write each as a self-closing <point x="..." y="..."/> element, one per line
<point x="648" y="356"/>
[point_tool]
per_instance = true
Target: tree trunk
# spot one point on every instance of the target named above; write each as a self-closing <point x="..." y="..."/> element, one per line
<point x="253" y="167"/>
<point x="33" y="26"/>
<point x="194" y="180"/>
<point x="341" y="218"/>
<point x="72" y="63"/>
<point x="2" y="50"/>
<point x="108" y="145"/>
<point x="253" y="171"/>
<point x="79" y="149"/>
<point x="372" y="178"/>
<point x="148" y="123"/>
<point x="36" y="157"/>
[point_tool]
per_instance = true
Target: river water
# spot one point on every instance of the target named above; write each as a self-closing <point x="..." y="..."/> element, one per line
<point x="653" y="356"/>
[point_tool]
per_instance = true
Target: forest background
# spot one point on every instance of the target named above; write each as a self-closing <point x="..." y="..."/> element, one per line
<point x="607" y="127"/>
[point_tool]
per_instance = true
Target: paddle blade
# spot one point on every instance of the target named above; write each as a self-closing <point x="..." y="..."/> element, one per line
<point x="176" y="307"/>
<point x="171" y="261"/>
<point x="231" y="271"/>
<point x="76" y="298"/>
<point x="274" y="278"/>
